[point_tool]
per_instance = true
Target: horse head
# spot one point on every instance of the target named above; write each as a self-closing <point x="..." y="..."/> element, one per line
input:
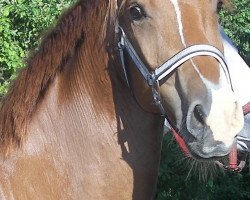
<point x="171" y="55"/>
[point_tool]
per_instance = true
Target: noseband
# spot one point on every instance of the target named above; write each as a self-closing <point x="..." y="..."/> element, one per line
<point x="153" y="78"/>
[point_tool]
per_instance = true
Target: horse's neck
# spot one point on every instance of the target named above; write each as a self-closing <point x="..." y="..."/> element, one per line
<point x="98" y="132"/>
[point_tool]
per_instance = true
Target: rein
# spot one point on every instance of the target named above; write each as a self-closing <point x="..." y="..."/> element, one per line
<point x="153" y="78"/>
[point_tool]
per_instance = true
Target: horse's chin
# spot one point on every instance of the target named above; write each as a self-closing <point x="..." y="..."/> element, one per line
<point x="206" y="158"/>
<point x="208" y="153"/>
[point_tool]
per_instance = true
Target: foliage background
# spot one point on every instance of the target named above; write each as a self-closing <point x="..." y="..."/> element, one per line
<point x="237" y="26"/>
<point x="22" y="23"/>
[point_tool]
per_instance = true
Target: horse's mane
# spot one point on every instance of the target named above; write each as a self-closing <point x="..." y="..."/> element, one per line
<point x="32" y="82"/>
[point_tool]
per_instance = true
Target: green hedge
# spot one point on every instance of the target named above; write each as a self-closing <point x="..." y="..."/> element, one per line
<point x="22" y="22"/>
<point x="237" y="26"/>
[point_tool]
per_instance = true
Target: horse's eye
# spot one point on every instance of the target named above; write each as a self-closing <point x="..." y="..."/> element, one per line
<point x="219" y="6"/>
<point x="137" y="13"/>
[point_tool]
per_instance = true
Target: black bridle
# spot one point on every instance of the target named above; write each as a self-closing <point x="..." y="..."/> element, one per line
<point x="153" y="78"/>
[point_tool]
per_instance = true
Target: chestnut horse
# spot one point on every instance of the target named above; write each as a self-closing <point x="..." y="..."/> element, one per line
<point x="69" y="126"/>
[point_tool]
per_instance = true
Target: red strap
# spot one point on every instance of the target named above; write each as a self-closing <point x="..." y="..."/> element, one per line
<point x="232" y="155"/>
<point x="233" y="165"/>
<point x="246" y="108"/>
<point x="181" y="142"/>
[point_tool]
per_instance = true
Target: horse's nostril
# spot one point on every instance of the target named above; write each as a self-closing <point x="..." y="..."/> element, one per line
<point x="199" y="114"/>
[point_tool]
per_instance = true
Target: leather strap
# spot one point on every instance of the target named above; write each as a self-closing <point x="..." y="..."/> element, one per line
<point x="246" y="108"/>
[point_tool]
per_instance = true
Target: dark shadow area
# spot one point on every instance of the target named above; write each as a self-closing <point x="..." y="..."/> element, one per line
<point x="139" y="136"/>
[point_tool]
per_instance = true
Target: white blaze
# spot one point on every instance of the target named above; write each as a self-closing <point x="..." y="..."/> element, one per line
<point x="181" y="33"/>
<point x="179" y="20"/>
